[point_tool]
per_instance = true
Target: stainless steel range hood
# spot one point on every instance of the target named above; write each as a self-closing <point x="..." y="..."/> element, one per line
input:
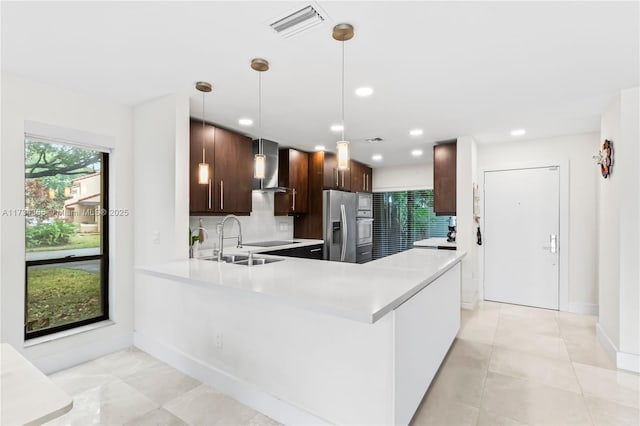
<point x="270" y="181"/>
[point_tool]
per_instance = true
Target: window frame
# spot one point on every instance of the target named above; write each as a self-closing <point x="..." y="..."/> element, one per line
<point x="103" y="256"/>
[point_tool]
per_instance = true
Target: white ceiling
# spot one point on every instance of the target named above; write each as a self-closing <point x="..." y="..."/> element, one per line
<point x="450" y="68"/>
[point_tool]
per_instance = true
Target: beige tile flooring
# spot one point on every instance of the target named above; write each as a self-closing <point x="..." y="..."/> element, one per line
<point x="132" y="388"/>
<point x="515" y="365"/>
<point x="510" y="365"/>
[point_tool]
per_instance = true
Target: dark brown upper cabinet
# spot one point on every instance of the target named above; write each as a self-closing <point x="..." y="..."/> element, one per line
<point x="360" y="177"/>
<point x="230" y="158"/>
<point x="444" y="178"/>
<point x="334" y="178"/>
<point x="293" y="174"/>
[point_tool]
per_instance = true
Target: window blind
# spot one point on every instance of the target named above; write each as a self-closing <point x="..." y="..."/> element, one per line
<point x="403" y="217"/>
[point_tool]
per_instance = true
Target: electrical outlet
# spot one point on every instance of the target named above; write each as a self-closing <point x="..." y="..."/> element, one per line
<point x="156" y="237"/>
<point x="284" y="226"/>
<point x="218" y="340"/>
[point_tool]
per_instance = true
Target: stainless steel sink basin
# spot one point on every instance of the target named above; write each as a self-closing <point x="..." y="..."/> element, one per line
<point x="257" y="261"/>
<point x="241" y="259"/>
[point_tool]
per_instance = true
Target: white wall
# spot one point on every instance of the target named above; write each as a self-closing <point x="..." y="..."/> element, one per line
<point x="161" y="176"/>
<point x="466" y="152"/>
<point x="619" y="277"/>
<point x="608" y="237"/>
<point x="261" y="225"/>
<point x="24" y="100"/>
<point x="629" y="218"/>
<point x="402" y="178"/>
<point x="583" y="172"/>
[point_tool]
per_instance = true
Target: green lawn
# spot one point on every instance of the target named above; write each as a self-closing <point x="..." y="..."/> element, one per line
<point x="58" y="296"/>
<point x="77" y="241"/>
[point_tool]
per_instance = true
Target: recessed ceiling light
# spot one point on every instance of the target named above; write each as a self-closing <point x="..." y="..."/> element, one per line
<point x="415" y="132"/>
<point x="245" y="122"/>
<point x="518" y="132"/>
<point x="416" y="152"/>
<point x="336" y="128"/>
<point x="376" y="157"/>
<point x="319" y="148"/>
<point x="364" y="91"/>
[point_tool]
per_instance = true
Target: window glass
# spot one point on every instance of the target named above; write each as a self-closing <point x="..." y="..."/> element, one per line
<point x="403" y="217"/>
<point x="65" y="236"/>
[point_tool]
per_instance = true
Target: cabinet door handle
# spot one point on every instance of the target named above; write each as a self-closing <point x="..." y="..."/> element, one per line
<point x="315" y="250"/>
<point x="364" y="182"/>
<point x="209" y="193"/>
<point x="221" y="195"/>
<point x="367" y="185"/>
<point x="343" y="178"/>
<point x="336" y="176"/>
<point x="293" y="204"/>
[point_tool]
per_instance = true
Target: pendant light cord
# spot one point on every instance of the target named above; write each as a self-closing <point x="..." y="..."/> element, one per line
<point x="203" y="130"/>
<point x="260" y="113"/>
<point x="343" y="90"/>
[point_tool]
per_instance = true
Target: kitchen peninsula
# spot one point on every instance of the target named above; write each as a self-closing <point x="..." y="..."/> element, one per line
<point x="307" y="341"/>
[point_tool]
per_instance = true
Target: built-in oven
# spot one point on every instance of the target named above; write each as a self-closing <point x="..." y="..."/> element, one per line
<point x="364" y="231"/>
<point x="364" y="204"/>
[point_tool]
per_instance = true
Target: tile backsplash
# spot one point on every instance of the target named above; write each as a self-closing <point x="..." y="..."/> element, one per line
<point x="261" y="225"/>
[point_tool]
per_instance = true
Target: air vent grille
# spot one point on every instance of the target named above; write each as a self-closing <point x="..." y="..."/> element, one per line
<point x="298" y="21"/>
<point x="373" y="140"/>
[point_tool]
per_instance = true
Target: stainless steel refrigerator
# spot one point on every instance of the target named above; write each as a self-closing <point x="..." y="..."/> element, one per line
<point x="339" y="225"/>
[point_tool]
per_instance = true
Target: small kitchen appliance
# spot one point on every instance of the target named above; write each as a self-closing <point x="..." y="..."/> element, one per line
<point x="451" y="235"/>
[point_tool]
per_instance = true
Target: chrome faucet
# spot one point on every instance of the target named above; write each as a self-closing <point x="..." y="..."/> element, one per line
<point x="221" y="234"/>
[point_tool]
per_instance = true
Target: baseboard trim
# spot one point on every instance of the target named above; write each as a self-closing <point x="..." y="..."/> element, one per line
<point x="583" y="308"/>
<point x="468" y="306"/>
<point x="240" y="390"/>
<point x="608" y="345"/>
<point x="623" y="360"/>
<point x="627" y="361"/>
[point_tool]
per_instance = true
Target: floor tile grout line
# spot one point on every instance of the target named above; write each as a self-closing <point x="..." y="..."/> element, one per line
<point x="484" y="382"/>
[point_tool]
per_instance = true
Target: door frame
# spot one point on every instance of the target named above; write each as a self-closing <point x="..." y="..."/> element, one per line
<point x="563" y="246"/>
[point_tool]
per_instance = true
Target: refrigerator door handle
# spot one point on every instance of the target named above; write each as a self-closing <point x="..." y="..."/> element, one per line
<point x="343" y="243"/>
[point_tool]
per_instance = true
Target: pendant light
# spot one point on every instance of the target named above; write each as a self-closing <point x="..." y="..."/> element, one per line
<point x="203" y="168"/>
<point x="342" y="33"/>
<point x="259" y="164"/>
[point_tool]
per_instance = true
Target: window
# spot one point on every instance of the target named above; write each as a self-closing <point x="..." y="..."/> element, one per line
<point x="403" y="217"/>
<point x="66" y="237"/>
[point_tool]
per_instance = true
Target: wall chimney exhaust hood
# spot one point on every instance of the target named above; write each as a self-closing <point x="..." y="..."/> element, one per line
<point x="270" y="181"/>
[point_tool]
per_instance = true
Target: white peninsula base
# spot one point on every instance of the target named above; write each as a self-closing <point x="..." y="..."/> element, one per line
<point x="297" y="365"/>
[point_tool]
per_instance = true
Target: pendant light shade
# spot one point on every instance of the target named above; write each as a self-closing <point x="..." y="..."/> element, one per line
<point x="259" y="162"/>
<point x="203" y="168"/>
<point x="259" y="166"/>
<point x="203" y="173"/>
<point x="342" y="33"/>
<point x="343" y="155"/>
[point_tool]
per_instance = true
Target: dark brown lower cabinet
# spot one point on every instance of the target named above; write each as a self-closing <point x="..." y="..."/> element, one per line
<point x="306" y="252"/>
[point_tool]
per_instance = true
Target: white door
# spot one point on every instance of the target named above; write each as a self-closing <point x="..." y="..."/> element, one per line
<point x="522" y="216"/>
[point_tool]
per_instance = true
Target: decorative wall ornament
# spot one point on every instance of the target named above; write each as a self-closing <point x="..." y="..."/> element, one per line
<point x="605" y="158"/>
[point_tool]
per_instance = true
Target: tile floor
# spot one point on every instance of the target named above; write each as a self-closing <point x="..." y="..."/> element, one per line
<point x="514" y="365"/>
<point x="131" y="387"/>
<point x="510" y="365"/>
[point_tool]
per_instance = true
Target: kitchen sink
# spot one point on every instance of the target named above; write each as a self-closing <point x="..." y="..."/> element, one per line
<point x="257" y="261"/>
<point x="241" y="259"/>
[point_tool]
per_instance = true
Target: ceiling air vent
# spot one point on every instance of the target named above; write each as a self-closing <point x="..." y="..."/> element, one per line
<point x="298" y="21"/>
<point x="373" y="140"/>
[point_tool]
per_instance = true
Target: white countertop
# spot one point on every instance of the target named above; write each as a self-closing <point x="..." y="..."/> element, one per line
<point x="434" y="242"/>
<point x="28" y="396"/>
<point x="361" y="292"/>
